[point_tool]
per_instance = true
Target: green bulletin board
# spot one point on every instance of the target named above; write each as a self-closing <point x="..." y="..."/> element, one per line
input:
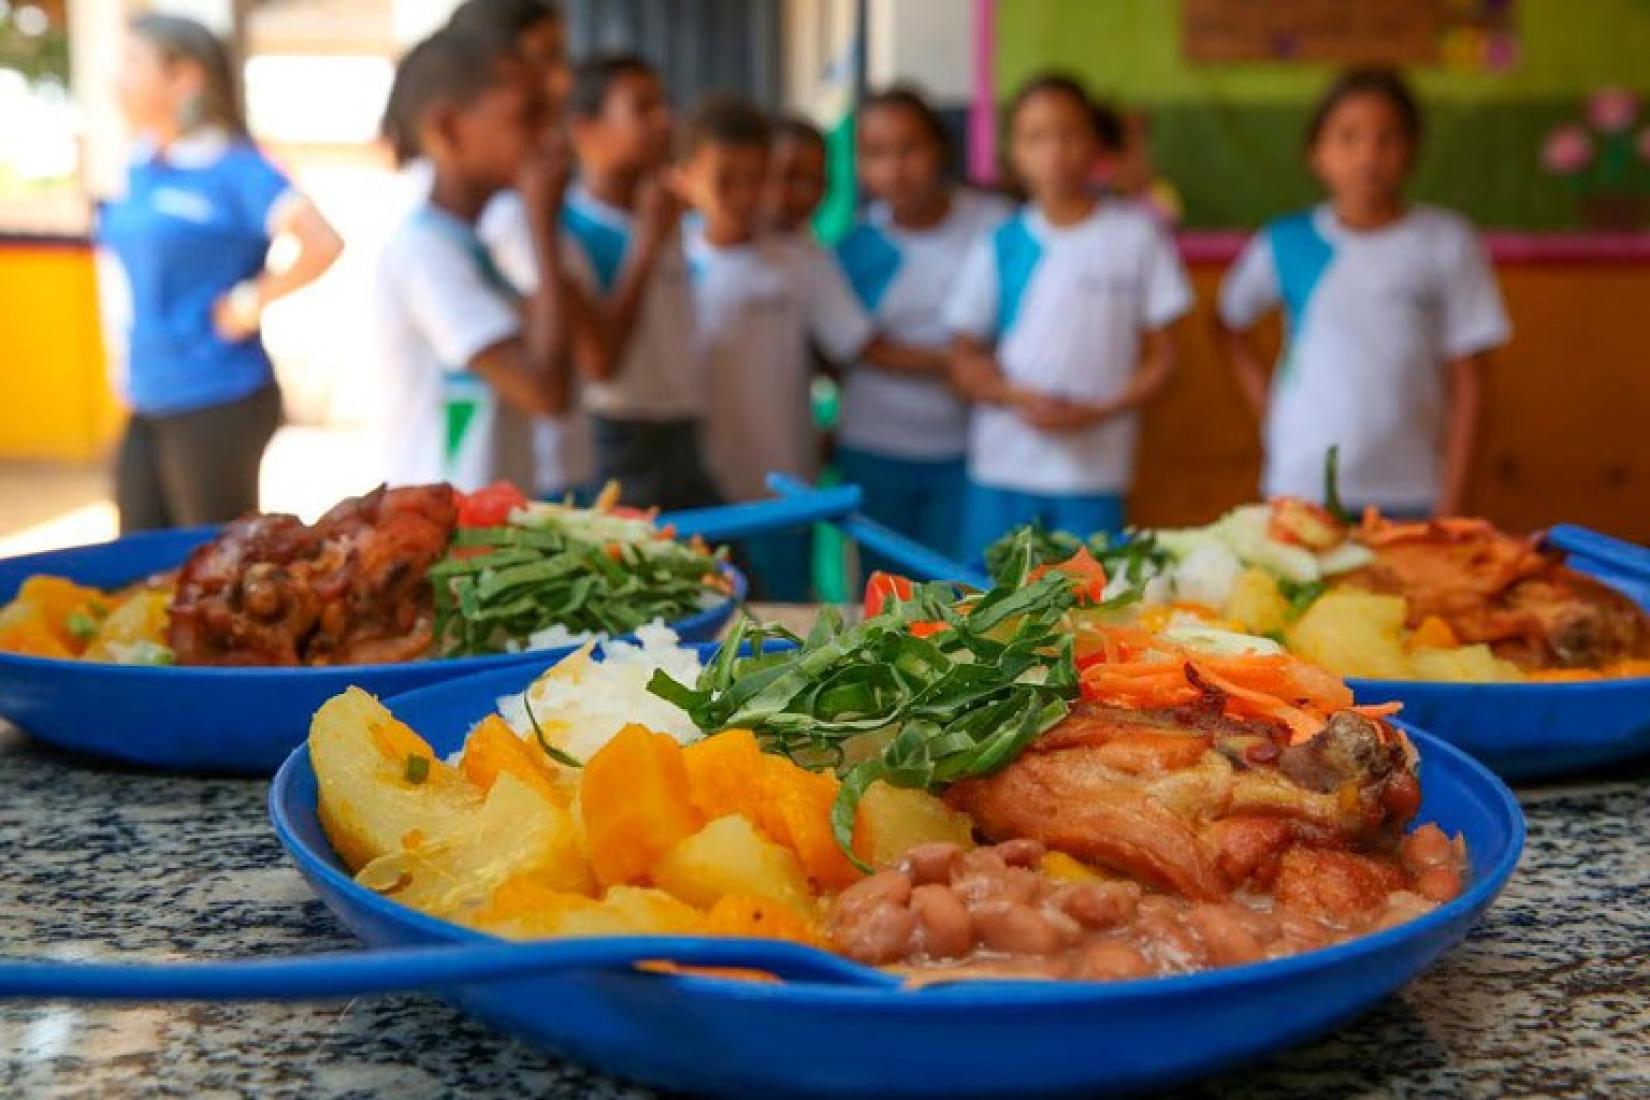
<point x="1229" y="134"/>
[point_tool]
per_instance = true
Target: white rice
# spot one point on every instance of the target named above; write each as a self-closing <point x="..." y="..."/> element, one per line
<point x="580" y="703"/>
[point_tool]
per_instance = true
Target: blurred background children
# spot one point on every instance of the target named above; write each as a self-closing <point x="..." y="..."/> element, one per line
<point x="797" y="177"/>
<point x="1062" y="320"/>
<point x="470" y="360"/>
<point x="634" y="331"/>
<point x="1391" y="312"/>
<point x="763" y="301"/>
<point x="904" y="428"/>
<point x="192" y="237"/>
<point x="563" y="454"/>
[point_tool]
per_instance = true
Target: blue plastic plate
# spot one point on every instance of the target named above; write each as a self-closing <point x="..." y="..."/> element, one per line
<point x="1528" y="731"/>
<point x="1533" y="730"/>
<point x="713" y="1036"/>
<point x="208" y="720"/>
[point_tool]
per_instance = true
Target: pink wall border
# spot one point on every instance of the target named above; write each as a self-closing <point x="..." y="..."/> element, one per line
<point x="982" y="107"/>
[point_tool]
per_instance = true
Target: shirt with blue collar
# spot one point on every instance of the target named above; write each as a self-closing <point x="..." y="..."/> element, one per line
<point x="195" y="220"/>
<point x="661" y="376"/>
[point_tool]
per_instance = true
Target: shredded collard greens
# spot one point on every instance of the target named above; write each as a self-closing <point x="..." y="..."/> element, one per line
<point x="875" y="701"/>
<point x="1135" y="556"/>
<point x="500" y="585"/>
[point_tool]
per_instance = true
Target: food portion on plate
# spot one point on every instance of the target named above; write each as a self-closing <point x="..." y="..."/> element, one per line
<point x="395" y="575"/>
<point x="1023" y="782"/>
<point x="1449" y="599"/>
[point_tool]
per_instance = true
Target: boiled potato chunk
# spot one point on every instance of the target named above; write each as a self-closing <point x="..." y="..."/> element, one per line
<point x="729" y="857"/>
<point x="1256" y="604"/>
<point x="1465" y="664"/>
<point x="899" y="819"/>
<point x="141" y="619"/>
<point x="370" y="804"/>
<point x="1354" y="633"/>
<point x="518" y="833"/>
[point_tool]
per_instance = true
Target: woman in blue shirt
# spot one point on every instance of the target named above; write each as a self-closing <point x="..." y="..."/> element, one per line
<point x="192" y="235"/>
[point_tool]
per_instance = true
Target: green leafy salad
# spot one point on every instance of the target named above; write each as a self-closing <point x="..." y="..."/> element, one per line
<point x="935" y="684"/>
<point x="554" y="575"/>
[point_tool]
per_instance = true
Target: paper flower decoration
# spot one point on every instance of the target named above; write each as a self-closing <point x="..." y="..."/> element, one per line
<point x="1567" y="151"/>
<point x="1612" y="110"/>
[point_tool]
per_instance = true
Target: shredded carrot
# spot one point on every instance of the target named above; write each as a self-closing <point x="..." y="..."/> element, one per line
<point x="1377" y="710"/>
<point x="1124" y="667"/>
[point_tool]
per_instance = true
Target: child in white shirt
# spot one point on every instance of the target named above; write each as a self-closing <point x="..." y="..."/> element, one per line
<point x="469" y="360"/>
<point x="633" y="331"/>
<point x="904" y="431"/>
<point x="1391" y="311"/>
<point x="1062" y="322"/>
<point x="761" y="301"/>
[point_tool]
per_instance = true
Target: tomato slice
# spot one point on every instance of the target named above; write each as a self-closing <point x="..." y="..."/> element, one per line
<point x="880" y="587"/>
<point x="1087" y="575"/>
<point x="489" y="507"/>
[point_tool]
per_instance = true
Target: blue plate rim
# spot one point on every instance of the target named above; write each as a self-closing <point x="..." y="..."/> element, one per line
<point x="1478" y="895"/>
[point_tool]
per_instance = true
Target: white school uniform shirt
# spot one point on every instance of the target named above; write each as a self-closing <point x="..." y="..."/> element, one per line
<point x="439" y="301"/>
<point x="564" y="450"/>
<point x="1373" y="318"/>
<point x="759" y="306"/>
<point x="904" y="278"/>
<point x="660" y="377"/>
<point x="1066" y="307"/>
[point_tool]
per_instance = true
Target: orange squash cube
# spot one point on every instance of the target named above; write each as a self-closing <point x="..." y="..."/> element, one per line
<point x="636" y="804"/>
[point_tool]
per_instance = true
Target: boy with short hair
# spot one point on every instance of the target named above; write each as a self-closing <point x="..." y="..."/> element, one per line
<point x="798" y="177"/>
<point x="470" y="361"/>
<point x="761" y="300"/>
<point x="633" y="339"/>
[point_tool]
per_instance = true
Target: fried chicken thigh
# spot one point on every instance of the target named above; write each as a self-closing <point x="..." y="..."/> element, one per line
<point x="1505" y="591"/>
<point x="351" y="589"/>
<point x="1201" y="805"/>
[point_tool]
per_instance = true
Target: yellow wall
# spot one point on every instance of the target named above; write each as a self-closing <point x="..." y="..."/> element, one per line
<point x="55" y="401"/>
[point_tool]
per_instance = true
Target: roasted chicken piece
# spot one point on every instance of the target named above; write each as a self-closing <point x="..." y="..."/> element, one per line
<point x="1199" y="804"/>
<point x="351" y="589"/>
<point x="1505" y="591"/>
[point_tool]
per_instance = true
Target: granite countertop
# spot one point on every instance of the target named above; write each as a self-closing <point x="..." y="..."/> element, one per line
<point x="1550" y="996"/>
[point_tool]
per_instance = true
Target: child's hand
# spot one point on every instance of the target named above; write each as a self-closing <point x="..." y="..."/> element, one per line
<point x="977" y="378"/>
<point x="658" y="208"/>
<point x="1057" y="414"/>
<point x="544" y="178"/>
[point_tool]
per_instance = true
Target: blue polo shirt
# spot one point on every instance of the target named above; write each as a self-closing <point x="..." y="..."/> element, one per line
<point x="194" y="222"/>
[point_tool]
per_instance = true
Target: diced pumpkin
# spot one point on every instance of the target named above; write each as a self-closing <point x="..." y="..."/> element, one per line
<point x="796" y="811"/>
<point x="494" y="748"/>
<point x="729" y="773"/>
<point x="1433" y="633"/>
<point x="1060" y="866"/>
<point x="24" y="631"/>
<point x="57" y="602"/>
<point x="725" y="773"/>
<point x="742" y="915"/>
<point x="729" y="856"/>
<point x="636" y="806"/>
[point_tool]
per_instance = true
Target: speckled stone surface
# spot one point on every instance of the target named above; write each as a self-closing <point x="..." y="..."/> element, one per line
<point x="1549" y="998"/>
